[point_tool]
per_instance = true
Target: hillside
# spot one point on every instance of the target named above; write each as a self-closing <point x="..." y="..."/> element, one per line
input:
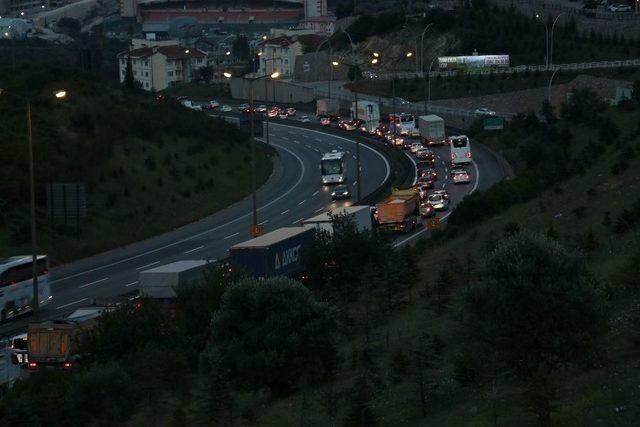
<point x="151" y="164"/>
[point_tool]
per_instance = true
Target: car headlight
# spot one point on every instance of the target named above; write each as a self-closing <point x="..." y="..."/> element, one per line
<point x="333" y="194"/>
<point x="346" y="193"/>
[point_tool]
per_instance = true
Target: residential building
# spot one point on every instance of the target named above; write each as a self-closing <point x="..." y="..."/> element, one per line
<point x="279" y="54"/>
<point x="320" y="24"/>
<point x="315" y="8"/>
<point x="15" y="7"/>
<point x="128" y="8"/>
<point x="158" y="65"/>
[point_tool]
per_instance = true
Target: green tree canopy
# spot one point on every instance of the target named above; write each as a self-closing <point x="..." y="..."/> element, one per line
<point x="273" y="333"/>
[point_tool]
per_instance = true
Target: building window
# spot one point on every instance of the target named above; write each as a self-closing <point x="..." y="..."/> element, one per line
<point x="135" y="73"/>
<point x="146" y="63"/>
<point x="123" y="62"/>
<point x="146" y="74"/>
<point x="146" y="84"/>
<point x="286" y="61"/>
<point x="170" y="73"/>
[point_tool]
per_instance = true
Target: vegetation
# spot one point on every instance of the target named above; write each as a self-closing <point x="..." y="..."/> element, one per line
<point x="155" y="165"/>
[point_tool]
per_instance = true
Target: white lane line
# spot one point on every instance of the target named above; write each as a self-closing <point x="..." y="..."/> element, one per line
<point x="415" y="166"/>
<point x="202" y="233"/>
<point x="302" y="202"/>
<point x="443" y="184"/>
<point x="354" y="157"/>
<point x="317" y="150"/>
<point x="93" y="283"/>
<point x="131" y="284"/>
<point x="231" y="235"/>
<point x="285" y="138"/>
<point x="373" y="150"/>
<point x="147" y="265"/>
<point x="72" y="303"/>
<point x="263" y="222"/>
<point x="318" y="139"/>
<point x="297" y="220"/>
<point x="193" y="250"/>
<point x="317" y="191"/>
<point x="318" y="210"/>
<point x="424" y="230"/>
<point x="285" y="212"/>
<point x="308" y="146"/>
<point x="355" y="182"/>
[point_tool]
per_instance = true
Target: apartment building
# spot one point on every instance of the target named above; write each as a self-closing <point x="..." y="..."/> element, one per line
<point x="279" y="54"/>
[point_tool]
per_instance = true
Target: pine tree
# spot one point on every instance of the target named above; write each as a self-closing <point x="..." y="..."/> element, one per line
<point x="129" y="82"/>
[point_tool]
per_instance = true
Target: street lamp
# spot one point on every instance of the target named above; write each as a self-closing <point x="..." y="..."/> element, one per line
<point x="555" y="21"/>
<point x="255" y="230"/>
<point x="422" y="47"/>
<point x="59" y="94"/>
<point x="546" y="40"/>
<point x="549" y="87"/>
<point x="315" y="61"/>
<point x="428" y="104"/>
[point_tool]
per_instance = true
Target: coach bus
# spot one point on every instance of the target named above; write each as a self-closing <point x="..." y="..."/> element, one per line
<point x="16" y="285"/>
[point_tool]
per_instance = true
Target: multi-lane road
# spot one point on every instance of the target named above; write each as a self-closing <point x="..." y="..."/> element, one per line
<point x="293" y="192"/>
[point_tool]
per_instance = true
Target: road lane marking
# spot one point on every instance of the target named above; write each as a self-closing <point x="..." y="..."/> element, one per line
<point x="354" y="157"/>
<point x="193" y="250"/>
<point x="263" y="222"/>
<point x="131" y="284"/>
<point x="318" y="139"/>
<point x="318" y="210"/>
<point x="231" y="235"/>
<point x="302" y="202"/>
<point x="285" y="212"/>
<point x="285" y="138"/>
<point x="148" y="265"/>
<point x="72" y="303"/>
<point x="317" y="191"/>
<point x="298" y="220"/>
<point x="94" y="282"/>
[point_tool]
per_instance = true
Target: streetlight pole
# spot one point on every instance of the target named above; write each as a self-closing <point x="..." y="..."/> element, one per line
<point x="32" y="197"/>
<point x="422" y="47"/>
<point x="546" y="41"/>
<point x="549" y="88"/>
<point x="429" y="83"/>
<point x="555" y="21"/>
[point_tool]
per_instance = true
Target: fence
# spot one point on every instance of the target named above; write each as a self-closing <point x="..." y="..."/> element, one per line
<point x="578" y="66"/>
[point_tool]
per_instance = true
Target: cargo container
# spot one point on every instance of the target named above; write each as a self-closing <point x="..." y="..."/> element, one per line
<point x="400" y="211"/>
<point x="360" y="215"/>
<point x="327" y="107"/>
<point x="161" y="282"/>
<point x="368" y="114"/>
<point x="432" y="130"/>
<point x="278" y="253"/>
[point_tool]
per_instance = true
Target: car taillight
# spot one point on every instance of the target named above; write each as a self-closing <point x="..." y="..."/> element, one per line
<point x="469" y="154"/>
<point x="32" y="365"/>
<point x="67" y="365"/>
<point x="453" y="156"/>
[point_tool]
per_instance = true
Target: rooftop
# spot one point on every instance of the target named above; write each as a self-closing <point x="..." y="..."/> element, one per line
<point x="171" y="52"/>
<point x="273" y="237"/>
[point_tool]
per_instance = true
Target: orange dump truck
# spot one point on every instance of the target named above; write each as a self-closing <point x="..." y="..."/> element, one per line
<point x="400" y="211"/>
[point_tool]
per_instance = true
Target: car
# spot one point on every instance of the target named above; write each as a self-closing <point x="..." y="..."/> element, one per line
<point x="422" y="154"/>
<point x="282" y="115"/>
<point x="438" y="202"/>
<point x="455" y="170"/>
<point x="248" y="110"/>
<point x="226" y="109"/>
<point x="425" y="182"/>
<point x="430" y="173"/>
<point x="461" y="177"/>
<point x="273" y="112"/>
<point x="443" y="193"/>
<point x="401" y="101"/>
<point x="243" y="107"/>
<point x="291" y="111"/>
<point x="617" y="7"/>
<point x="325" y="121"/>
<point x="211" y="105"/>
<point x="346" y="125"/>
<point x="484" y="112"/>
<point x="423" y="192"/>
<point x="340" y="192"/>
<point x="261" y="108"/>
<point x="415" y="146"/>
<point x="426" y="210"/>
<point x="406" y="145"/>
<point x="305" y="119"/>
<point x="369" y="75"/>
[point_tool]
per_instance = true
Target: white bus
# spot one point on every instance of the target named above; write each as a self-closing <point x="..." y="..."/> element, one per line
<point x="16" y="285"/>
<point x="333" y="167"/>
<point x="406" y="124"/>
<point x="460" y="150"/>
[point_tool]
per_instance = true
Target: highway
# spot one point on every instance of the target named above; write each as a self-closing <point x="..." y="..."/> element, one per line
<point x="291" y="194"/>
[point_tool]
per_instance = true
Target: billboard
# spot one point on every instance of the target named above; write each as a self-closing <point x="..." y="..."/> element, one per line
<point x="472" y="62"/>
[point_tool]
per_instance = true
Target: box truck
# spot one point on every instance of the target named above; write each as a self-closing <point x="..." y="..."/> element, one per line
<point x="432" y="129"/>
<point x="359" y="215"/>
<point x="400" y="211"/>
<point x="278" y="253"/>
<point x="368" y="115"/>
<point x="161" y="282"/>
<point x="327" y="107"/>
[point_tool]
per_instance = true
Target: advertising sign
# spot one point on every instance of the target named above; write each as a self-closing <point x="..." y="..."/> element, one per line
<point x="472" y="62"/>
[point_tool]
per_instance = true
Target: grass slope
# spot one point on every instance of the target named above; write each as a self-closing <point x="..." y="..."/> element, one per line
<point x="148" y="167"/>
<point x="575" y="210"/>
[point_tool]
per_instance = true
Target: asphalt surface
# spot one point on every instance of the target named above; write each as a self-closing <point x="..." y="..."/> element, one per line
<point x="293" y="192"/>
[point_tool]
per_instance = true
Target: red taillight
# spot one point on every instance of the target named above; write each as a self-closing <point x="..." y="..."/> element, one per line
<point x="32" y="365"/>
<point x="68" y="365"/>
<point x="469" y="154"/>
<point x="453" y="156"/>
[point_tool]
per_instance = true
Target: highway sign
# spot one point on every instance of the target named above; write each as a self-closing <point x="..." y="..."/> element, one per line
<point x="433" y="223"/>
<point x="493" y="123"/>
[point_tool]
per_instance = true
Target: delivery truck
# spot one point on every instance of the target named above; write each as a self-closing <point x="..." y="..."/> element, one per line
<point x="399" y="212"/>
<point x="328" y="108"/>
<point x="432" y="129"/>
<point x="161" y="282"/>
<point x="368" y="115"/>
<point x="278" y="253"/>
<point x="55" y="343"/>
<point x="359" y="215"/>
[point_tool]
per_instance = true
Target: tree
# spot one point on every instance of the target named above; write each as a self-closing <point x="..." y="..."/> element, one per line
<point x="537" y="309"/>
<point x="424" y="353"/>
<point x="635" y="92"/>
<point x="547" y="111"/>
<point x="272" y="333"/>
<point x="584" y="106"/>
<point x="129" y="82"/>
<point x="215" y="400"/>
<point x="69" y="26"/>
